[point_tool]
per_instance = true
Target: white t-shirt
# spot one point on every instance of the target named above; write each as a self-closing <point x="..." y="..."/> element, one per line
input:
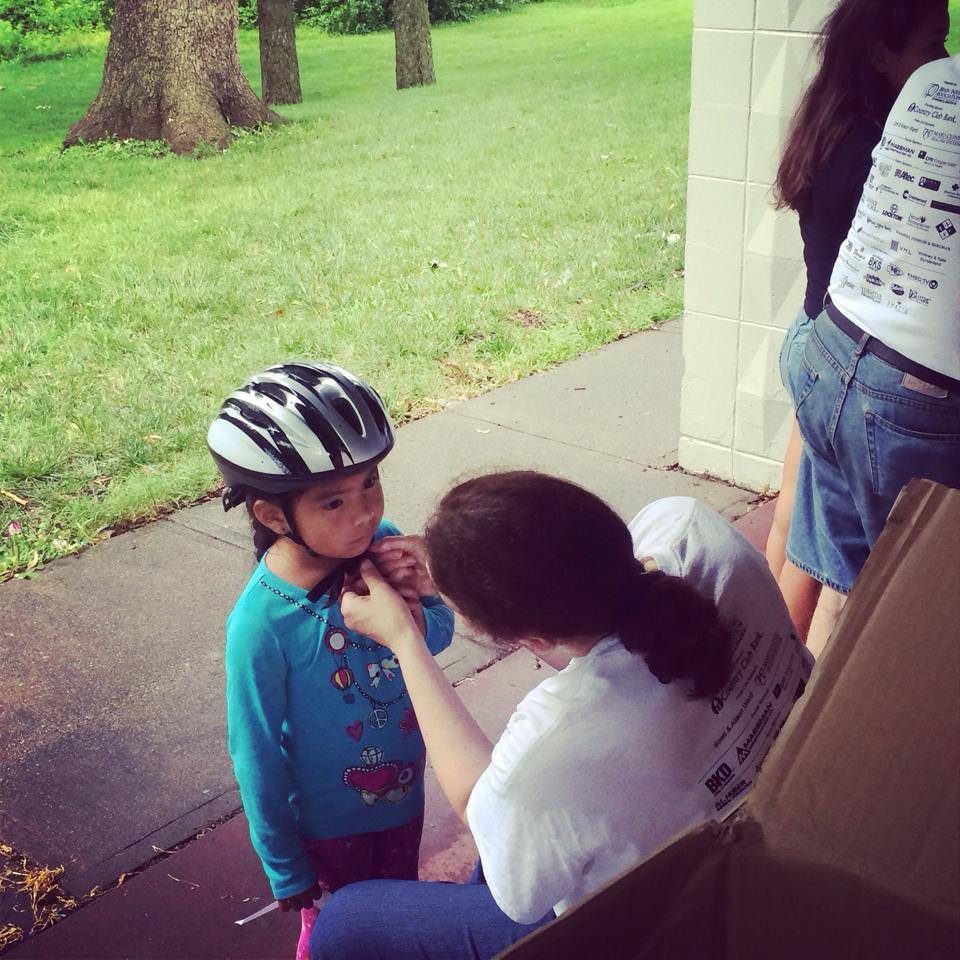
<point x="601" y="764"/>
<point x="898" y="272"/>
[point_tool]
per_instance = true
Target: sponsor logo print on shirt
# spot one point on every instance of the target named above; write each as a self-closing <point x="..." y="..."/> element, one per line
<point x="892" y="212"/>
<point x="892" y="267"/>
<point x="919" y="298"/>
<point x="720" y="776"/>
<point x="940" y="94"/>
<point x="871" y="294"/>
<point x="744" y="749"/>
<point x="875" y="263"/>
<point x="923" y="281"/>
<point x="895" y="147"/>
<point x="896" y="289"/>
<point x="928" y="183"/>
<point x="941" y="136"/>
<point x="904" y="175"/>
<point x="946" y="229"/>
<point x="873" y="280"/>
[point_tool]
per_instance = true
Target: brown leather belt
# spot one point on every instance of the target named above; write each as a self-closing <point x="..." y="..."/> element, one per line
<point x="888" y="355"/>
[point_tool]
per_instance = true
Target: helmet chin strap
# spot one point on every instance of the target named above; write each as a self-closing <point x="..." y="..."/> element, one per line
<point x="330" y="585"/>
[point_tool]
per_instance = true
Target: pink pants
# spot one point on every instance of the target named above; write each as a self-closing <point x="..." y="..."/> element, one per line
<point x="387" y="855"/>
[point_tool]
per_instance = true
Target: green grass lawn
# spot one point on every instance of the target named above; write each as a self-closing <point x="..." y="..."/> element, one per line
<point x="438" y="242"/>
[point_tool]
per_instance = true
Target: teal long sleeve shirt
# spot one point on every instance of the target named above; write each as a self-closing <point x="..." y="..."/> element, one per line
<point x="321" y="731"/>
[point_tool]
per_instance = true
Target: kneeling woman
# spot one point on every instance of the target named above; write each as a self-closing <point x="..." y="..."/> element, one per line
<point x="677" y="667"/>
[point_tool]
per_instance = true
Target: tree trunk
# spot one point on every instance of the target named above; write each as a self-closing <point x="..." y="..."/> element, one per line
<point x="279" y="70"/>
<point x="172" y="73"/>
<point x="411" y="28"/>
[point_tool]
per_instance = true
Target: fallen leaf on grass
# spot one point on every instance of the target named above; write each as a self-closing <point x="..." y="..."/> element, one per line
<point x="152" y="438"/>
<point x="13" y="497"/>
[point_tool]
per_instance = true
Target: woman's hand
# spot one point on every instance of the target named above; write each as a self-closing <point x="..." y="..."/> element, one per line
<point x="301" y="901"/>
<point x="381" y="613"/>
<point x="403" y="560"/>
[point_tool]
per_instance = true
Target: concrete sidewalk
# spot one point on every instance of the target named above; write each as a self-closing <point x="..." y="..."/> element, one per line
<point x="184" y="907"/>
<point x="111" y="703"/>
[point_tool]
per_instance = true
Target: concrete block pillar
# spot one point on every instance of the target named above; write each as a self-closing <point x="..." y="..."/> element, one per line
<point x="744" y="263"/>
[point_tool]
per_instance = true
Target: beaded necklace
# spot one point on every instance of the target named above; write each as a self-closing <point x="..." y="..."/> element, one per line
<point x="336" y="640"/>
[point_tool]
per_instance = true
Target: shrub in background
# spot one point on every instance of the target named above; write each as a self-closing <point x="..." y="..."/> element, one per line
<point x="10" y="38"/>
<point x="54" y="16"/>
<point x="365" y="16"/>
<point x="49" y="29"/>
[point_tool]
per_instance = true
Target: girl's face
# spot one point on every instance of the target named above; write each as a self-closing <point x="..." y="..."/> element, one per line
<point x="926" y="43"/>
<point x="338" y="517"/>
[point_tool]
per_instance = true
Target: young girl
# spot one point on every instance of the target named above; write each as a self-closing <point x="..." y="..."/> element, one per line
<point x="322" y="733"/>
<point x="677" y="667"/>
<point x="867" y="50"/>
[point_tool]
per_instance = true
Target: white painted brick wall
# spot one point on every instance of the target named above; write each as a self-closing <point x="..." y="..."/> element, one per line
<point x="744" y="265"/>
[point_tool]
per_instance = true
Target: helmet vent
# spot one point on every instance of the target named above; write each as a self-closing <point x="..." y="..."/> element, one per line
<point x="346" y="410"/>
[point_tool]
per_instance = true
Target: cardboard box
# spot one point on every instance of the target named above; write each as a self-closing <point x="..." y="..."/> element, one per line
<point x="849" y="844"/>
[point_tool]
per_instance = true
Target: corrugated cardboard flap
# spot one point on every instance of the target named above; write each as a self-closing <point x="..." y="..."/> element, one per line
<point x="865" y="776"/>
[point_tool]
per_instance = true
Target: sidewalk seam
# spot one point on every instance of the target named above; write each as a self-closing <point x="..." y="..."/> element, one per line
<point x="163" y="826"/>
<point x="202" y="533"/>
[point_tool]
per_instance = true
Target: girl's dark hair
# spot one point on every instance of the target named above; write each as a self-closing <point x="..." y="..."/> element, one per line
<point x="522" y="554"/>
<point x="847" y="87"/>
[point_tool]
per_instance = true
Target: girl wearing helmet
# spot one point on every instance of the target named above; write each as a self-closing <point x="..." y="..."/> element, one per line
<point x="321" y="730"/>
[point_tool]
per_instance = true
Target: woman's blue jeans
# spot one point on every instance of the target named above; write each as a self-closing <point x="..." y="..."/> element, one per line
<point x="410" y="920"/>
<point x="868" y="428"/>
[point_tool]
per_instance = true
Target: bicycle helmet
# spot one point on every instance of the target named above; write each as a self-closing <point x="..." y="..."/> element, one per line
<point x="295" y="424"/>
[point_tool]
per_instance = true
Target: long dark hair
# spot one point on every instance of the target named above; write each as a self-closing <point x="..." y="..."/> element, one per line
<point x="846" y="88"/>
<point x="523" y="554"/>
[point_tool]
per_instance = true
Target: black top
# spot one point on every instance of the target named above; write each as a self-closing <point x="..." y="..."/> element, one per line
<point x="831" y="203"/>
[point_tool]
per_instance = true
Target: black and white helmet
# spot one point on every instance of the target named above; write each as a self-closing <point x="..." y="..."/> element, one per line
<point x="296" y="423"/>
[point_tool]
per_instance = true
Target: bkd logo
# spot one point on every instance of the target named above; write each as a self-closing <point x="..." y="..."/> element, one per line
<point x="720" y="776"/>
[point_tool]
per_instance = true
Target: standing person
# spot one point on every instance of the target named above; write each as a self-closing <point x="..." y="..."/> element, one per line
<point x="321" y="729"/>
<point x="877" y="384"/>
<point x="677" y="667"/>
<point x="867" y="49"/>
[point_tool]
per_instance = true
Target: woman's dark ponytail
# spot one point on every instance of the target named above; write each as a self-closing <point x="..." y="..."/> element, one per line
<point x="677" y="631"/>
<point x="522" y="554"/>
